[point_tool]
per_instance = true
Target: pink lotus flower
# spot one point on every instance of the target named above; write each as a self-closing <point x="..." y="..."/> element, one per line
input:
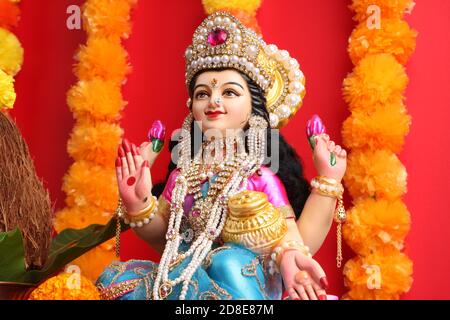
<point x="315" y="126"/>
<point x="157" y="131"/>
<point x="156" y="135"/>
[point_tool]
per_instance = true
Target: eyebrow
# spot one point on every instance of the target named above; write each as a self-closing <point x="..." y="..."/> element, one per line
<point x="204" y="85"/>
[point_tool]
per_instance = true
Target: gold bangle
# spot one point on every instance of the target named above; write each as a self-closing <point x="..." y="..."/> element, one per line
<point x="327" y="186"/>
<point x="279" y="251"/>
<point x="332" y="188"/>
<point x="144" y="216"/>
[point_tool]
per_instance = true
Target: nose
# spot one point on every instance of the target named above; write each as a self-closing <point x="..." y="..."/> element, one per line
<point x="215" y="100"/>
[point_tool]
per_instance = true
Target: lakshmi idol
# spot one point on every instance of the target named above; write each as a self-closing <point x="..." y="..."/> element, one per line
<point x="235" y="219"/>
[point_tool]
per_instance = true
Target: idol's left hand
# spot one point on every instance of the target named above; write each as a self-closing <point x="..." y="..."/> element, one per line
<point x="330" y="160"/>
<point x="303" y="276"/>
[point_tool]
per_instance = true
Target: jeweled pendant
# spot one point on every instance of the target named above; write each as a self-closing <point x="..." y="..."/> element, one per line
<point x="165" y="290"/>
<point x="195" y="213"/>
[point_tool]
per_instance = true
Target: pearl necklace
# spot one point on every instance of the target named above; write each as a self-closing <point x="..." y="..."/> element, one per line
<point x="213" y="209"/>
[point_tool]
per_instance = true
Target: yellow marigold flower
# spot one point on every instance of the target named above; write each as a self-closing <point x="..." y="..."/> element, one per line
<point x="11" y="53"/>
<point x="7" y="93"/>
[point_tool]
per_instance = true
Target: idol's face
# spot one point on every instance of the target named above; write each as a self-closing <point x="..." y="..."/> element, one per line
<point x="221" y="100"/>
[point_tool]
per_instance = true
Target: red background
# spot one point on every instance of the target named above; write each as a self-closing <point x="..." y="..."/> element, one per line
<point x="316" y="33"/>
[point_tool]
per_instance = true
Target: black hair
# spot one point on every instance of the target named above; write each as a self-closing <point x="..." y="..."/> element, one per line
<point x="290" y="169"/>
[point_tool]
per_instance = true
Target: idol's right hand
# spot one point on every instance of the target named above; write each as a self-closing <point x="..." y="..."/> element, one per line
<point x="133" y="178"/>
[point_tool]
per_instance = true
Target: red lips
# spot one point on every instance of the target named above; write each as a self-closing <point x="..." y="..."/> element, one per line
<point x="213" y="114"/>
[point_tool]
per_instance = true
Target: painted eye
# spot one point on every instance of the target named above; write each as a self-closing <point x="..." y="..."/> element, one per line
<point x="230" y="93"/>
<point x="201" y="95"/>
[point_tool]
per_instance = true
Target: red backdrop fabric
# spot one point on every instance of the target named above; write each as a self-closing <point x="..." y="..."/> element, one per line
<point x="314" y="32"/>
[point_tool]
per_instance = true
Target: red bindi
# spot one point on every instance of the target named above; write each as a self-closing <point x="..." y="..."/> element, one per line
<point x="131" y="181"/>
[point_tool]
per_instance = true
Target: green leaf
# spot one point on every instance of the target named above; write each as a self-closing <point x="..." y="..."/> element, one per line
<point x="12" y="255"/>
<point x="68" y="245"/>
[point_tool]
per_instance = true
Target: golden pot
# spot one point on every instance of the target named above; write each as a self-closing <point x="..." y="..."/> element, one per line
<point x="254" y="222"/>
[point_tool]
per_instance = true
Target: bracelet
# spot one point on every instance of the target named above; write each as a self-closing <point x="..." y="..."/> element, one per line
<point x="144" y="216"/>
<point x="278" y="252"/>
<point x="327" y="186"/>
<point x="332" y="188"/>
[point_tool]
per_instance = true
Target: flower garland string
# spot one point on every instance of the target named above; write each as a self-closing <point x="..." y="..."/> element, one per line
<point x="96" y="102"/>
<point x="11" y="52"/>
<point x="379" y="221"/>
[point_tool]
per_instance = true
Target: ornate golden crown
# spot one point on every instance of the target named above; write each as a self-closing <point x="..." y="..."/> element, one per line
<point x="222" y="41"/>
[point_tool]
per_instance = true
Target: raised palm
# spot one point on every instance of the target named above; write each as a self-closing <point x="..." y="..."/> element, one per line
<point x="133" y="178"/>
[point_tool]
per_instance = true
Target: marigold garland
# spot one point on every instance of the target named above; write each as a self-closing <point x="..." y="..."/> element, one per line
<point x="95" y="99"/>
<point x="375" y="174"/>
<point x="11" y="52"/>
<point x="104" y="59"/>
<point x="9" y="14"/>
<point x="379" y="221"/>
<point x="108" y="21"/>
<point x="66" y="286"/>
<point x="90" y="185"/>
<point x="382" y="275"/>
<point x="96" y="102"/>
<point x="376" y="224"/>
<point x="384" y="128"/>
<point x="394" y="37"/>
<point x="375" y="81"/>
<point x="7" y="93"/>
<point x="95" y="142"/>
<point x="389" y="9"/>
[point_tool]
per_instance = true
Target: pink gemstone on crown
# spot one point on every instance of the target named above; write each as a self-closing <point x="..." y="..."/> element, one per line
<point x="217" y="37"/>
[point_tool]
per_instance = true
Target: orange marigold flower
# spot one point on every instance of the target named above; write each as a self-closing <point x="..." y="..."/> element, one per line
<point x="96" y="99"/>
<point x="93" y="262"/>
<point x="382" y="128"/>
<point x="375" y="173"/>
<point x="394" y="37"/>
<point x="376" y="80"/>
<point x="95" y="141"/>
<point x="107" y="18"/>
<point x="102" y="58"/>
<point x="66" y="286"/>
<point x="382" y="275"/>
<point x="388" y="8"/>
<point x="89" y="185"/>
<point x="375" y="224"/>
